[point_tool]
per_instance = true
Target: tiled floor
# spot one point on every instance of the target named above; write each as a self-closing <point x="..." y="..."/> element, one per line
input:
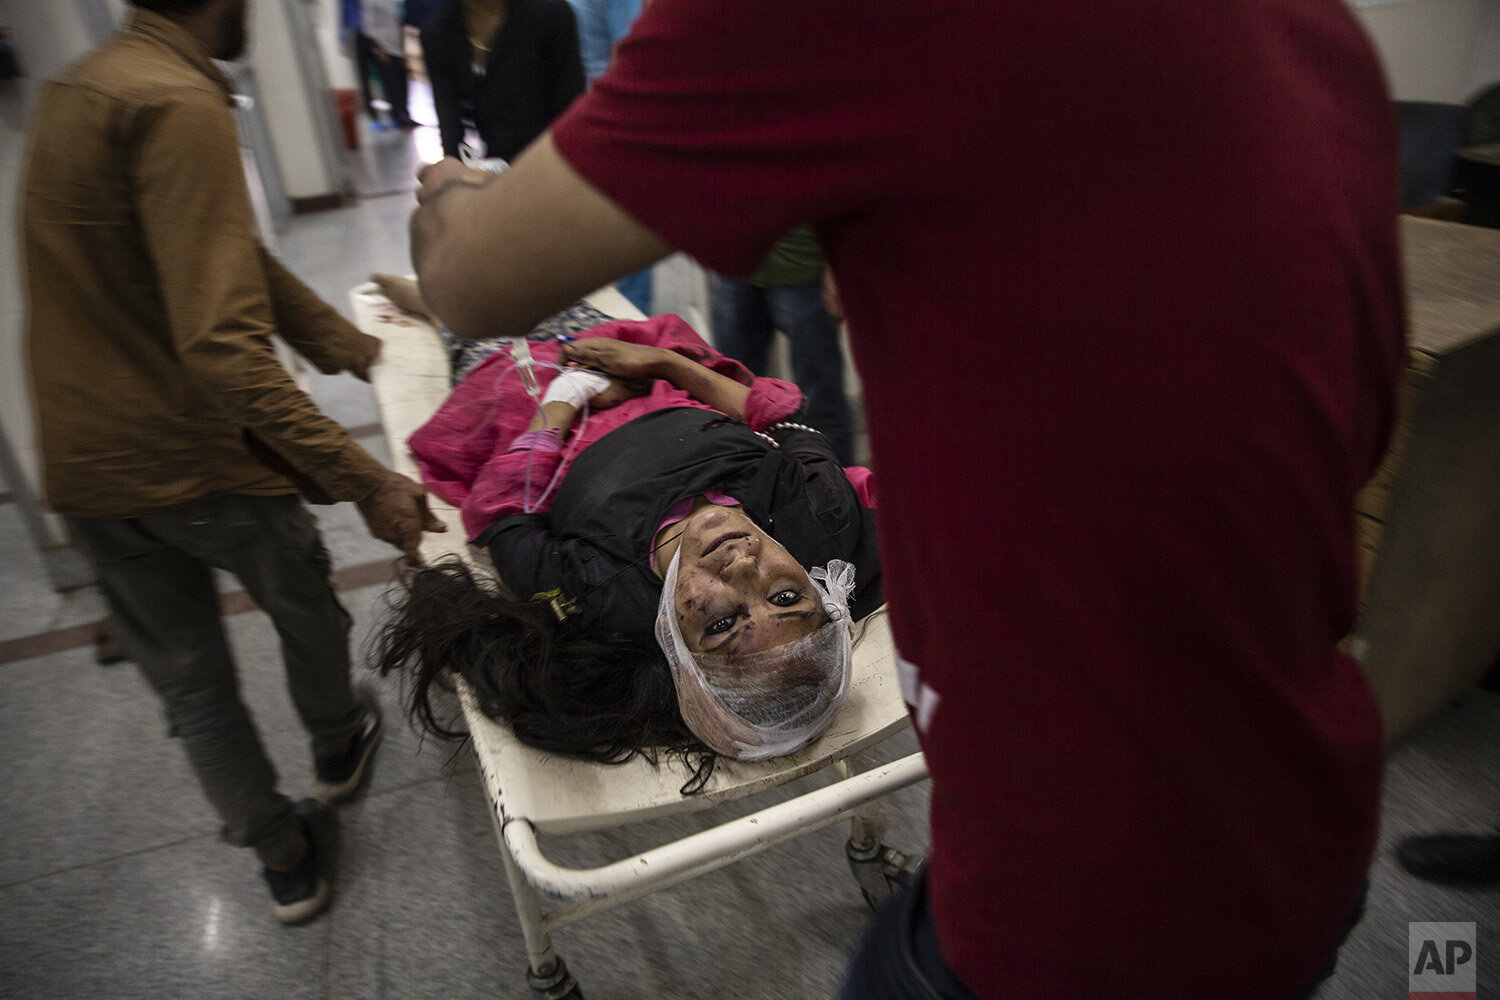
<point x="113" y="882"/>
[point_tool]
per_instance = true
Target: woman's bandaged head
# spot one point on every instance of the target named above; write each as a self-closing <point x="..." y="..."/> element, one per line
<point x="744" y="699"/>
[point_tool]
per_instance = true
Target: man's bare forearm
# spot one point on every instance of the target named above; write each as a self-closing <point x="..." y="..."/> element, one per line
<point x="497" y="257"/>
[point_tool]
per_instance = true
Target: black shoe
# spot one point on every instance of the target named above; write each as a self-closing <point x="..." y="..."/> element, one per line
<point x="1491" y="680"/>
<point x="302" y="892"/>
<point x="1452" y="858"/>
<point x="338" y="776"/>
<point x="107" y="648"/>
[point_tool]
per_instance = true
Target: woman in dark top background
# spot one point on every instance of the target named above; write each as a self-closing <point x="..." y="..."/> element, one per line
<point x="508" y="67"/>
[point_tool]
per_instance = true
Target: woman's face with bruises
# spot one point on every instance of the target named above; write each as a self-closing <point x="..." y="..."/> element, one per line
<point x="738" y="591"/>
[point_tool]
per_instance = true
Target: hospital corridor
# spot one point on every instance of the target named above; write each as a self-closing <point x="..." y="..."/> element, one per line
<point x="115" y="882"/>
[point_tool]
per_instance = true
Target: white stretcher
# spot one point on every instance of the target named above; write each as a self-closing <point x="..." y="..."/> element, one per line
<point x="531" y="792"/>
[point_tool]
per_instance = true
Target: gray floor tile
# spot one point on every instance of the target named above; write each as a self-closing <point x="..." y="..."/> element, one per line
<point x="30" y="604"/>
<point x="426" y="915"/>
<point x="348" y="539"/>
<point x="97" y="776"/>
<point x="387" y="161"/>
<point x="1444" y="776"/>
<point x="335" y="250"/>
<point x="86" y="770"/>
<point x="778" y="925"/>
<point x="191" y="919"/>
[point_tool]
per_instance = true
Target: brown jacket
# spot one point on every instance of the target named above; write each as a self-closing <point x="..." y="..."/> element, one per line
<point x="152" y="302"/>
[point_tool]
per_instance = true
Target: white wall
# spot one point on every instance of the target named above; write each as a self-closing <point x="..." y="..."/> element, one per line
<point x="47" y="35"/>
<point x="288" y="105"/>
<point x="1485" y="67"/>
<point x="325" y="18"/>
<point x="1435" y="50"/>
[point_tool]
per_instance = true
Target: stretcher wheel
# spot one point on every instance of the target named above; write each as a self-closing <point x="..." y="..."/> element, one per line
<point x="554" y="982"/>
<point x="880" y="871"/>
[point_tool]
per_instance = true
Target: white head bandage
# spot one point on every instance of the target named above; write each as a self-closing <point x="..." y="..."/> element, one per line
<point x="768" y="703"/>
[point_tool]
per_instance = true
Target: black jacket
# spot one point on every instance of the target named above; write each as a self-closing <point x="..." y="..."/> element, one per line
<point x="532" y="73"/>
<point x="593" y="546"/>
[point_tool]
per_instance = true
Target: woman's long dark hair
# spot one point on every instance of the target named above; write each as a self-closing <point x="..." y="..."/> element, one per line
<point x="600" y="699"/>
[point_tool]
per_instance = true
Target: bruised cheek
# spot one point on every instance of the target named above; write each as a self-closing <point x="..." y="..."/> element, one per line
<point x="693" y="598"/>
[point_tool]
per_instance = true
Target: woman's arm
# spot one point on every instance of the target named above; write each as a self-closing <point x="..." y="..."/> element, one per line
<point x="630" y="361"/>
<point x="528" y="260"/>
<point x="558" y="416"/>
<point x="520" y="479"/>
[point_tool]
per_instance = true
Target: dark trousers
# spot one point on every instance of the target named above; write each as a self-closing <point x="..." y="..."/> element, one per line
<point x="898" y="957"/>
<point x="370" y="58"/>
<point x="157" y="575"/>
<point x="745" y="316"/>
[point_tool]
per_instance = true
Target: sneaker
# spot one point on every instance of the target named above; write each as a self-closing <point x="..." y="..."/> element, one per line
<point x="338" y="776"/>
<point x="302" y="893"/>
<point x="107" y="648"/>
<point x="1457" y="859"/>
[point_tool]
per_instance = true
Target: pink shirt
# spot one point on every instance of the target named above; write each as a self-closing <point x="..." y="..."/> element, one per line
<point x="464" y="452"/>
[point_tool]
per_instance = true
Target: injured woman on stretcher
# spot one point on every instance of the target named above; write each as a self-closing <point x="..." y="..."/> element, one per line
<point x="680" y="562"/>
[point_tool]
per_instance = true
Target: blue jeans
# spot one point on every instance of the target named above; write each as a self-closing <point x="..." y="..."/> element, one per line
<point x="637" y="288"/>
<point x="745" y="317"/>
<point x="898" y="957"/>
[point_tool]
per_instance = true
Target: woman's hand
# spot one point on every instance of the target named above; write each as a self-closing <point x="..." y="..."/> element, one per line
<point x="619" y="390"/>
<point x="636" y="361"/>
<point x="614" y="357"/>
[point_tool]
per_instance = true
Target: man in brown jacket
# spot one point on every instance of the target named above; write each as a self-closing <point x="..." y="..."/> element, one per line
<point x="170" y="434"/>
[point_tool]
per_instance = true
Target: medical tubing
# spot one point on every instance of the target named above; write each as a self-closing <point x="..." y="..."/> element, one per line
<point x="527" y="505"/>
<point x="572" y="447"/>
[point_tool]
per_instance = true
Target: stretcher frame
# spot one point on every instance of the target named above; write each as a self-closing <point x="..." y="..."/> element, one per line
<point x="534" y="793"/>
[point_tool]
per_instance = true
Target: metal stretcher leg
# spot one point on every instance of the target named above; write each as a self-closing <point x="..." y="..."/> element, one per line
<point x="880" y="871"/>
<point x="545" y="970"/>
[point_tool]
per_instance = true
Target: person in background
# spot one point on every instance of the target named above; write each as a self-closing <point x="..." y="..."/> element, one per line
<point x="352" y="45"/>
<point x="419" y="12"/>
<point x="383" y="37"/>
<point x="601" y="25"/>
<point x="508" y="67"/>
<point x="786" y="293"/>
<point x="1465" y="860"/>
<point x="171" y="436"/>
<point x="1155" y="381"/>
<point x="1460" y="858"/>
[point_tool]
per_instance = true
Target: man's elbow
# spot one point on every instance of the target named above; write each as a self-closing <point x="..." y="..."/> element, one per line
<point x="453" y="300"/>
<point x="446" y="282"/>
<point x="441" y="288"/>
